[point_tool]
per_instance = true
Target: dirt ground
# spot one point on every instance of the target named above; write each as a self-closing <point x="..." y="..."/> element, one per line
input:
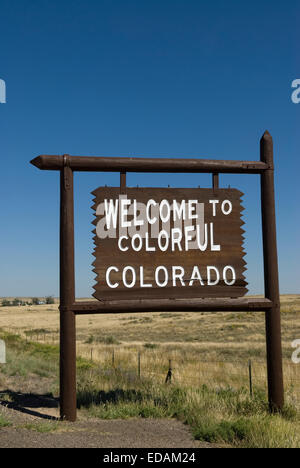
<point x="34" y="424"/>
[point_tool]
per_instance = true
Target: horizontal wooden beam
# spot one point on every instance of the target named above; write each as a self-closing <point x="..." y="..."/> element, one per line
<point x="173" y="305"/>
<point x="117" y="164"/>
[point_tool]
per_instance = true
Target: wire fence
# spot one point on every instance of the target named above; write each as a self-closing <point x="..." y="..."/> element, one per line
<point x="161" y="368"/>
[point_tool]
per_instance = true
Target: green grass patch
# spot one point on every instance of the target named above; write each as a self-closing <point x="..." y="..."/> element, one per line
<point x="223" y="431"/>
<point x="43" y="427"/>
<point x="26" y="358"/>
<point x="4" y="421"/>
<point x="151" y="345"/>
<point x="108" y="340"/>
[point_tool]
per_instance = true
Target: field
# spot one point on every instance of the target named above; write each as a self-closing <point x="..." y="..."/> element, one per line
<point x="200" y="345"/>
<point x="208" y="353"/>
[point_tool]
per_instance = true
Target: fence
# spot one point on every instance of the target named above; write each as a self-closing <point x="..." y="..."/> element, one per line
<point x="185" y="371"/>
<point x="176" y="366"/>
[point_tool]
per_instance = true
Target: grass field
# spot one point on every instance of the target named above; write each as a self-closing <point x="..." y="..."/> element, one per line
<point x="204" y="347"/>
<point x="209" y="355"/>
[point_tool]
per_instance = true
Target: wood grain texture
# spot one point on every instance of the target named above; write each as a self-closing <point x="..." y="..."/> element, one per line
<point x="238" y="304"/>
<point x="170" y="165"/>
<point x="228" y="233"/>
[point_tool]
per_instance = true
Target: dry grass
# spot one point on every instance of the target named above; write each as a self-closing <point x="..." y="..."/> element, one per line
<point x="205" y="348"/>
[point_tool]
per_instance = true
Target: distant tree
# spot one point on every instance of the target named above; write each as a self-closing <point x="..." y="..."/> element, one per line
<point x="5" y="302"/>
<point x="49" y="299"/>
<point x="16" y="302"/>
<point x="35" y="301"/>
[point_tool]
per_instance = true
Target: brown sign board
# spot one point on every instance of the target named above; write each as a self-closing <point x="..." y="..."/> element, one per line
<point x="168" y="243"/>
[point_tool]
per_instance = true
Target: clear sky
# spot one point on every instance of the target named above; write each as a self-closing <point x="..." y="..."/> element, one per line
<point x="169" y="78"/>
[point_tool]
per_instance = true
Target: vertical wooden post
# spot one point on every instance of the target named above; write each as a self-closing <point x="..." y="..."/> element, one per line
<point x="139" y="365"/>
<point x="215" y="180"/>
<point x="67" y="297"/>
<point x="250" y="377"/>
<point x="273" y="327"/>
<point x="169" y="374"/>
<point x="123" y="182"/>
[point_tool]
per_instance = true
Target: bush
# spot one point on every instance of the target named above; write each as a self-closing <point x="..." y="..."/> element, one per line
<point x="224" y="431"/>
<point x="49" y="300"/>
<point x="150" y="345"/>
<point x="5" y="303"/>
<point x="3" y="421"/>
<point x="16" y="302"/>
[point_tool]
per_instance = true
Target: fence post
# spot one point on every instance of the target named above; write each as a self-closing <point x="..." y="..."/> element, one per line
<point x="139" y="364"/>
<point x="250" y="377"/>
<point x="169" y="374"/>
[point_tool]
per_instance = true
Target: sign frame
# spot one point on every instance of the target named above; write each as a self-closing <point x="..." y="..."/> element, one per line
<point x="69" y="307"/>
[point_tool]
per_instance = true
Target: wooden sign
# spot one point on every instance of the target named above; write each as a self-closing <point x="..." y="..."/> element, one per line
<point x="168" y="243"/>
<point x="158" y="245"/>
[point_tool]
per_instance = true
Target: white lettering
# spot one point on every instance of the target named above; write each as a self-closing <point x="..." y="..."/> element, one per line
<point x="177" y="273"/>
<point x="123" y="249"/>
<point x="213" y="247"/>
<point x="233" y="275"/>
<point x="210" y="281"/>
<point x="111" y="212"/>
<point x="164" y="283"/>
<point x="196" y="276"/>
<point x="115" y="285"/>
<point x="124" y="277"/>
<point x="124" y="212"/>
<point x="229" y="209"/>
<point x="214" y="202"/>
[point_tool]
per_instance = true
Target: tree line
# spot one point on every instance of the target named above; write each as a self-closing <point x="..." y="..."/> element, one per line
<point x="34" y="301"/>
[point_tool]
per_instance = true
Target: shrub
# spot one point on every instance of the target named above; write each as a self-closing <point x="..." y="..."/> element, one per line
<point x="150" y="345"/>
<point x="49" y="300"/>
<point x="5" y="303"/>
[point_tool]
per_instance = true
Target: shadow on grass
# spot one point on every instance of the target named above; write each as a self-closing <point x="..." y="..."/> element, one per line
<point x="26" y="402"/>
<point x="86" y="398"/>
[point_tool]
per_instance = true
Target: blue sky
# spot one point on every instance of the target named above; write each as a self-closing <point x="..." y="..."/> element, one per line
<point x="152" y="78"/>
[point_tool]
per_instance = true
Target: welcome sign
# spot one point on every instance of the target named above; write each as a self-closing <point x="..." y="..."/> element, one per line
<point x="168" y="243"/>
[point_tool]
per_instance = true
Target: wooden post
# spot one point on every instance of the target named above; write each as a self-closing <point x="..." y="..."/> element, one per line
<point x="122" y="182"/>
<point x="67" y="297"/>
<point x="215" y="180"/>
<point x="169" y="374"/>
<point x="139" y="364"/>
<point x="250" y="378"/>
<point x="273" y="327"/>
